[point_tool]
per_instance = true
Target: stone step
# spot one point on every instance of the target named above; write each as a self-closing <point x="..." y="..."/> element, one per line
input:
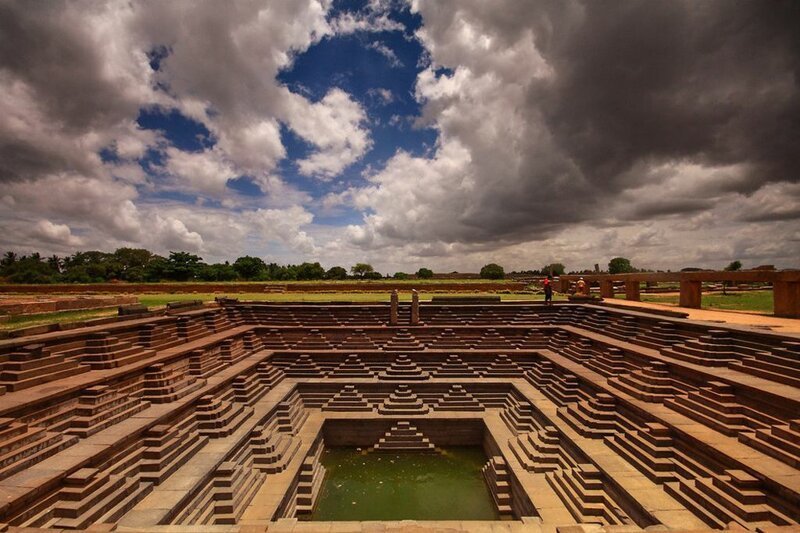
<point x="15" y="381"/>
<point x="657" y="465"/>
<point x="85" y="426"/>
<point x="28" y="452"/>
<point x="773" y="445"/>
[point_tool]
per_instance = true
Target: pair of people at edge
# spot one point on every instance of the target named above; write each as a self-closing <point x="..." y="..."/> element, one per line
<point x="581" y="288"/>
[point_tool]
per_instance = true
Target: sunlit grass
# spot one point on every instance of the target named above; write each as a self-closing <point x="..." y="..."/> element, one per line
<point x="25" y="321"/>
<point x="753" y="301"/>
<point x="161" y="299"/>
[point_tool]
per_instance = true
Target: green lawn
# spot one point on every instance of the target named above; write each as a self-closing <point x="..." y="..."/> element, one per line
<point x="753" y="301"/>
<point x="162" y="299"/>
<point x="16" y="322"/>
<point x="376" y="282"/>
<point x="159" y="300"/>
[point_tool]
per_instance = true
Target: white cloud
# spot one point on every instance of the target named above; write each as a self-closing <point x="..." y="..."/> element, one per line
<point x="205" y="172"/>
<point x="283" y="225"/>
<point x="255" y="148"/>
<point x="55" y="233"/>
<point x="335" y="126"/>
<point x="774" y="201"/>
<point x="384" y="96"/>
<point x="374" y="19"/>
<point x="386" y="52"/>
<point x="86" y="202"/>
<point x="171" y="234"/>
<point x="60" y="110"/>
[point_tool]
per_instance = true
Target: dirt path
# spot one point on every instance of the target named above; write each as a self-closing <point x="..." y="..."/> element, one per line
<point x="780" y="325"/>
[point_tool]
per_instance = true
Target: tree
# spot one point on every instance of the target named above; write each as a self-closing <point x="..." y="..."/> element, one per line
<point x="424" y="273"/>
<point x="274" y="271"/>
<point x="361" y="269"/>
<point x="492" y="271"/>
<point x="309" y="271"/>
<point x="217" y="272"/>
<point x="31" y="269"/>
<point x="182" y="266"/>
<point x="91" y="266"/>
<point x="56" y="263"/>
<point x="400" y="275"/>
<point x="285" y="273"/>
<point x="133" y="262"/>
<point x="249" y="268"/>
<point x="9" y="258"/>
<point x="336" y="272"/>
<point x="620" y="265"/>
<point x="557" y="269"/>
<point x="155" y="269"/>
<point x="734" y="266"/>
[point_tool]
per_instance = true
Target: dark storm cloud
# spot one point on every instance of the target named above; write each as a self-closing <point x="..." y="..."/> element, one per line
<point x="715" y="83"/>
<point x="47" y="45"/>
<point x="67" y="78"/>
<point x="655" y="208"/>
<point x="561" y="113"/>
<point x="586" y="126"/>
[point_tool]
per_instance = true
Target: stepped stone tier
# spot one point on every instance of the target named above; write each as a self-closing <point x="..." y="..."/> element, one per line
<point x="403" y="437"/>
<point x="215" y="419"/>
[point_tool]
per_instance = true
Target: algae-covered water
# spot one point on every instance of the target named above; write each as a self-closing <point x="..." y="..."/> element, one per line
<point x="404" y="486"/>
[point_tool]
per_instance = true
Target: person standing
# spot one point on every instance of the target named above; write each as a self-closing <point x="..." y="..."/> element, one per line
<point x="548" y="291"/>
<point x="582" y="289"/>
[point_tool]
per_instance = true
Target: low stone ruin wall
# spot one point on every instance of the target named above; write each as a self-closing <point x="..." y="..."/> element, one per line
<point x="30" y="306"/>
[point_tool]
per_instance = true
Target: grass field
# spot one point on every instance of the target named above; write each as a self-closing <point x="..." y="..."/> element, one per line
<point x="159" y="300"/>
<point x="24" y="321"/>
<point x="162" y="299"/>
<point x="376" y="282"/>
<point x="754" y="301"/>
<point x="751" y="301"/>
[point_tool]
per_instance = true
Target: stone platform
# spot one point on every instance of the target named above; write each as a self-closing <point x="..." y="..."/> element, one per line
<point x="214" y="419"/>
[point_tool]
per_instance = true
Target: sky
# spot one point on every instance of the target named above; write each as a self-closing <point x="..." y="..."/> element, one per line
<point x="444" y="134"/>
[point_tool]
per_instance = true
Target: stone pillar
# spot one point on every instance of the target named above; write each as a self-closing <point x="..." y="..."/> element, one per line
<point x="691" y="292"/>
<point x="414" y="307"/>
<point x="606" y="288"/>
<point x="394" y="309"/>
<point x="786" y="298"/>
<point x="632" y="291"/>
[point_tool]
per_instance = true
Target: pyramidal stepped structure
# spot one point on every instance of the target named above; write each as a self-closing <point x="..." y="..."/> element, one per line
<point x="590" y="419"/>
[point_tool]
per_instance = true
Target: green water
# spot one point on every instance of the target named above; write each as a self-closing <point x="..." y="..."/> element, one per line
<point x="404" y="486"/>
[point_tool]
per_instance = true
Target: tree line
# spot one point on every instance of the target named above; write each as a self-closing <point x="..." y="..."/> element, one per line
<point x="137" y="265"/>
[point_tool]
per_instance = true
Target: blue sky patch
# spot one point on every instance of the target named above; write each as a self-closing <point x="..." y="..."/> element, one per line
<point x="182" y="132"/>
<point x="377" y="69"/>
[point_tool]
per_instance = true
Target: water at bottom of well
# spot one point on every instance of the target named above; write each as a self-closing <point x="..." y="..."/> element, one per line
<point x="404" y="486"/>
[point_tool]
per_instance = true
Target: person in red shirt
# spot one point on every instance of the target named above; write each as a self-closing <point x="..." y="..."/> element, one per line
<point x="548" y="291"/>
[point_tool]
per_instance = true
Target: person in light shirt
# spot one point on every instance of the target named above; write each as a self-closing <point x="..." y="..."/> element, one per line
<point x="581" y="288"/>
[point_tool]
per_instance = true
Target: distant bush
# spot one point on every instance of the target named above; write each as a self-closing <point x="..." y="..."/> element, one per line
<point x="336" y="272"/>
<point x="492" y="271"/>
<point x="620" y="265"/>
<point x="424" y="273"/>
<point x="556" y="269"/>
<point x="362" y="270"/>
